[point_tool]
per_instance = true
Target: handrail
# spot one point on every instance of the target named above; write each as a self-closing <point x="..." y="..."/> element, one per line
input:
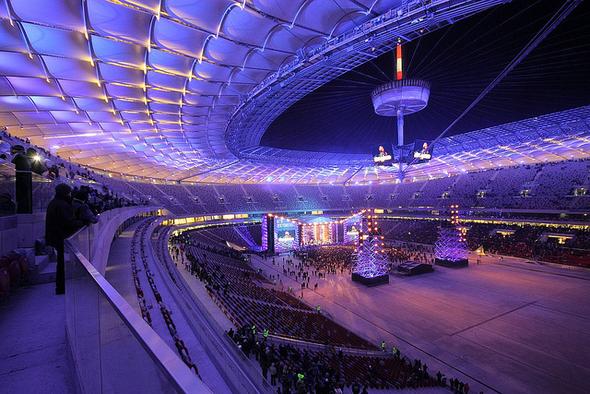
<point x="322" y="346"/>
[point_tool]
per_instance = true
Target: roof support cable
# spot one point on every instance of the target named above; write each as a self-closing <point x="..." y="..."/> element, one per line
<point x="556" y="19"/>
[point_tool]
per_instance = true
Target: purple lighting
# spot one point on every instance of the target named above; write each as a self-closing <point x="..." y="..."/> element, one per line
<point x="370" y="266"/>
<point x="450" y="245"/>
<point x="370" y="262"/>
<point x="264" y="233"/>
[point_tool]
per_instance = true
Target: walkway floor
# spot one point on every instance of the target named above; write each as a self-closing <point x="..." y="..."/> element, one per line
<point x="118" y="270"/>
<point x="118" y="273"/>
<point x="33" y="353"/>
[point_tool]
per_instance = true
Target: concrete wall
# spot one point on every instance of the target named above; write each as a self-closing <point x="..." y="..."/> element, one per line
<point x="20" y="231"/>
<point x="8" y="237"/>
<point x="94" y="241"/>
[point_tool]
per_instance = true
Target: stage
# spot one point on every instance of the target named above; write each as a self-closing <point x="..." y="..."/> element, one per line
<point x="509" y="327"/>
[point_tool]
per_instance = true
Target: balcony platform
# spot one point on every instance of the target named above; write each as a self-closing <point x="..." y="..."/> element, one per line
<point x="33" y="356"/>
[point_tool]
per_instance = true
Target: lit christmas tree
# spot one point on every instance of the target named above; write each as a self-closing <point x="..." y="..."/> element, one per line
<point x="371" y="265"/>
<point x="451" y="247"/>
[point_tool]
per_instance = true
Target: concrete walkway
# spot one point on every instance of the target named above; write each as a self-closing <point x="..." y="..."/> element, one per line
<point x="118" y="270"/>
<point x="119" y="274"/>
<point x="33" y="354"/>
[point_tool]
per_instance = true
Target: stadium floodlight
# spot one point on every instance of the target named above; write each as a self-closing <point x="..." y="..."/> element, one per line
<point x="400" y="97"/>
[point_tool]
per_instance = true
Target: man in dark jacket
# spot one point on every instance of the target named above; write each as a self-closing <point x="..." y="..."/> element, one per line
<point x="7" y="206"/>
<point x="60" y="223"/>
<point x="81" y="209"/>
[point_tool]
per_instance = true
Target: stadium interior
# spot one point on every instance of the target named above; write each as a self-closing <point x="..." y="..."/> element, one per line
<point x="294" y="196"/>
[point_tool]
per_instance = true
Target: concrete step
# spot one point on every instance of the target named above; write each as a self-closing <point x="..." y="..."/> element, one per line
<point x="40" y="263"/>
<point x="46" y="275"/>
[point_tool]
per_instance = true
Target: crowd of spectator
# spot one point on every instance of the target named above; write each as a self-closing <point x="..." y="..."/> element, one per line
<point x="316" y="261"/>
<point x="533" y="242"/>
<point x="403" y="252"/>
<point x="540" y="243"/>
<point x="548" y="186"/>
<point x="294" y="369"/>
<point x="43" y="162"/>
<point x="88" y="188"/>
<point x="326" y="357"/>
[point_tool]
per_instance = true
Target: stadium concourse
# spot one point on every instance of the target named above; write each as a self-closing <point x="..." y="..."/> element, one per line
<point x="213" y="196"/>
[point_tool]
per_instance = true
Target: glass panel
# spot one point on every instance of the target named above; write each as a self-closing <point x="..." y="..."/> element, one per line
<point x="43" y="191"/>
<point x="83" y="325"/>
<point x="126" y="367"/>
<point x="109" y="355"/>
<point x="7" y="189"/>
<point x="81" y="241"/>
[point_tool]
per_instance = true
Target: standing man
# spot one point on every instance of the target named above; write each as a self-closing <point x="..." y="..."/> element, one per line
<point x="60" y="223"/>
<point x="81" y="209"/>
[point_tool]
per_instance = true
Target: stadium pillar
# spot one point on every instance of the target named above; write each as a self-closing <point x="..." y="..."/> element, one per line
<point x="400" y="127"/>
<point x="23" y="184"/>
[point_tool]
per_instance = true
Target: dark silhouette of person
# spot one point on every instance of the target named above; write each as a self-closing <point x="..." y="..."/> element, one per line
<point x="82" y="211"/>
<point x="60" y="223"/>
<point x="23" y="180"/>
<point x="7" y="205"/>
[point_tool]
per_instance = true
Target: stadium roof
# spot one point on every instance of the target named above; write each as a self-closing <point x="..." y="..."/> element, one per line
<point x="184" y="90"/>
<point x="553" y="137"/>
<point x="148" y="87"/>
